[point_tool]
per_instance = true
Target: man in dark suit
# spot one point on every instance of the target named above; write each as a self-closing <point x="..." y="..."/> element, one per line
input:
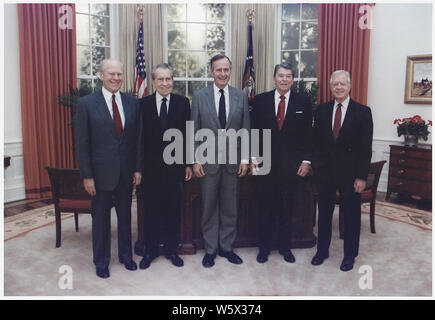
<point x="220" y="107"/>
<point x="162" y="183"/>
<point x="289" y="117"/>
<point x="343" y="133"/>
<point x="110" y="155"/>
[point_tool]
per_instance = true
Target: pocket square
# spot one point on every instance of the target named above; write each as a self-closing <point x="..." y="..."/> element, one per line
<point x="299" y="112"/>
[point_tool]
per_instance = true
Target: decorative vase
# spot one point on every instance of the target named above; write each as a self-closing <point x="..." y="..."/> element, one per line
<point x="411" y="140"/>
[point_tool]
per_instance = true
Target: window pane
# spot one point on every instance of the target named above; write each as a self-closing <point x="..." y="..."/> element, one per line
<point x="176" y="12"/>
<point x="309" y="11"/>
<point x="100" y="9"/>
<point x="82" y="8"/>
<point x="308" y="64"/>
<point x="82" y="32"/>
<point x="309" y="35"/>
<point x="83" y="61"/>
<point x="216" y="12"/>
<point x="215" y="37"/>
<point x="176" y="35"/>
<point x="196" y="12"/>
<point x="98" y="55"/>
<point x="177" y="60"/>
<point x="84" y="85"/>
<point x="98" y="84"/>
<point x="196" y="37"/>
<point x="100" y="31"/>
<point x="196" y="64"/>
<point x="290" y="35"/>
<point x="291" y="57"/>
<point x="194" y="86"/>
<point x="290" y="12"/>
<point x="180" y="87"/>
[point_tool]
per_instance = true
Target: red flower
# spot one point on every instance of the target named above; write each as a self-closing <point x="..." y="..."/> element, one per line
<point x="430" y="122"/>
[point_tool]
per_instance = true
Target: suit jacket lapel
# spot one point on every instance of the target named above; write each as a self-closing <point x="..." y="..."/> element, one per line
<point x="233" y="103"/>
<point x="329" y="112"/>
<point x="348" y="119"/>
<point x="172" y="112"/>
<point x="104" y="112"/>
<point x="271" y="111"/>
<point x="211" y="105"/>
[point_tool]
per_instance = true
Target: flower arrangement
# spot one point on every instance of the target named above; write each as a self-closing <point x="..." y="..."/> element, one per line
<point x="413" y="126"/>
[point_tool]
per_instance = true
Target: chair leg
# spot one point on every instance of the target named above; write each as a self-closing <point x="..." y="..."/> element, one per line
<point x="340" y="223"/>
<point x="76" y="220"/>
<point x="58" y="227"/>
<point x="372" y="216"/>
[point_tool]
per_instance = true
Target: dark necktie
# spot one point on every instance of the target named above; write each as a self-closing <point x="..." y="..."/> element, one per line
<point x="280" y="115"/>
<point x="116" y="117"/>
<point x="222" y="111"/>
<point x="337" y="122"/>
<point x="163" y="114"/>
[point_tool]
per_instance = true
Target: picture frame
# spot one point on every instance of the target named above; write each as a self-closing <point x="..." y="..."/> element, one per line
<point x="418" y="88"/>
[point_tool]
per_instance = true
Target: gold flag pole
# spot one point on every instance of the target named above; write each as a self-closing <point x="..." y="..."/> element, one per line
<point x="140" y="9"/>
<point x="250" y="13"/>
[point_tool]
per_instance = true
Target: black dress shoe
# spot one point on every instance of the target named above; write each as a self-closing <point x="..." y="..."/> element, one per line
<point x="288" y="256"/>
<point x="146" y="260"/>
<point x="103" y="272"/>
<point x="231" y="256"/>
<point x="131" y="265"/>
<point x="262" y="256"/>
<point x="347" y="264"/>
<point x="208" y="260"/>
<point x="318" y="259"/>
<point x="175" y="259"/>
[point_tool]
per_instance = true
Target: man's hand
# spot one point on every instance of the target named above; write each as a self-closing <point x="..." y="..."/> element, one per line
<point x="243" y="168"/>
<point x="359" y="185"/>
<point x="188" y="174"/>
<point x="198" y="170"/>
<point x="304" y="169"/>
<point x="253" y="166"/>
<point x="137" y="178"/>
<point x="89" y="185"/>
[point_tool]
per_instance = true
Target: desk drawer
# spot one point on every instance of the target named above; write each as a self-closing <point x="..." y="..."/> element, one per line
<point x="411" y="162"/>
<point x="410" y="152"/>
<point x="410" y="187"/>
<point x="412" y="173"/>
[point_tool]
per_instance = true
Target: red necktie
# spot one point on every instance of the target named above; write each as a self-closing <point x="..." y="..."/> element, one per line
<point x="280" y="114"/>
<point x="337" y="122"/>
<point x="116" y="117"/>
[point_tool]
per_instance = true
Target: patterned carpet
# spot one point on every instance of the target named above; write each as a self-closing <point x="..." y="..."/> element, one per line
<point x="25" y="222"/>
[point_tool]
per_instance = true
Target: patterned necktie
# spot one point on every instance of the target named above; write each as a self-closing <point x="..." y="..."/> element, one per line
<point x="163" y="113"/>
<point x="280" y="114"/>
<point x="222" y="111"/>
<point x="116" y="117"/>
<point x="337" y="122"/>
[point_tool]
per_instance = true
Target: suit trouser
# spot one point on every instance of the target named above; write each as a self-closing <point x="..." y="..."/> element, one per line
<point x="350" y="207"/>
<point x="276" y="198"/>
<point x="101" y="228"/>
<point x="219" y="206"/>
<point x="162" y="204"/>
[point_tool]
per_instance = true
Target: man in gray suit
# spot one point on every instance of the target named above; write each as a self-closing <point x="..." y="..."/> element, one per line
<point x="219" y="107"/>
<point x="110" y="155"/>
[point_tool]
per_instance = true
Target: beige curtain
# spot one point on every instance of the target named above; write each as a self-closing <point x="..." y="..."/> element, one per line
<point x="153" y="40"/>
<point x="263" y="36"/>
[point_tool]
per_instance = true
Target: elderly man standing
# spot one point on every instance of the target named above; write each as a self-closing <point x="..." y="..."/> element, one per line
<point x="343" y="133"/>
<point x="220" y="107"/>
<point x="110" y="155"/>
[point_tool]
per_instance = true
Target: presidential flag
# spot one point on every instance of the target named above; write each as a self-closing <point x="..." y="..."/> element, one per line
<point x="248" y="83"/>
<point x="140" y="82"/>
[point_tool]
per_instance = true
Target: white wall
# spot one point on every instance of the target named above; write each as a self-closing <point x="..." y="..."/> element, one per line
<point x="399" y="30"/>
<point x="14" y="188"/>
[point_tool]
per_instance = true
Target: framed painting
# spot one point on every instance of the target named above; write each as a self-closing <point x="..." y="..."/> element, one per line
<point x="418" y="87"/>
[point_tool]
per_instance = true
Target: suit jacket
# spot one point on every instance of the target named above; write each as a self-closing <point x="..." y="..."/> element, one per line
<point x="349" y="157"/>
<point x="100" y="153"/>
<point x="293" y="143"/>
<point x="178" y="114"/>
<point x="204" y="115"/>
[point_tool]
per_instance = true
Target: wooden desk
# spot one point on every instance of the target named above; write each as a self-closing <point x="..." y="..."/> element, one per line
<point x="410" y="172"/>
<point x="247" y="228"/>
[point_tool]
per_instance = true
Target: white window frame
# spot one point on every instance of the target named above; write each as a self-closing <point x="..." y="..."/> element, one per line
<point x="227" y="25"/>
<point x="278" y="39"/>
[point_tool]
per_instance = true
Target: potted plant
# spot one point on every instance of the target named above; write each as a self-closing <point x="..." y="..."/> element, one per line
<point x="412" y="128"/>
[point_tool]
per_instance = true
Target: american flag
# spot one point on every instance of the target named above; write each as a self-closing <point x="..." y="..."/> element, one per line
<point x="140" y="82"/>
<point x="248" y="83"/>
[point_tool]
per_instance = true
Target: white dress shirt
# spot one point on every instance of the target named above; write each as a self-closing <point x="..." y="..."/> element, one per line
<point x="344" y="106"/>
<point x="278" y="99"/>
<point x="217" y="97"/>
<point x="159" y="102"/>
<point x="108" y="97"/>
